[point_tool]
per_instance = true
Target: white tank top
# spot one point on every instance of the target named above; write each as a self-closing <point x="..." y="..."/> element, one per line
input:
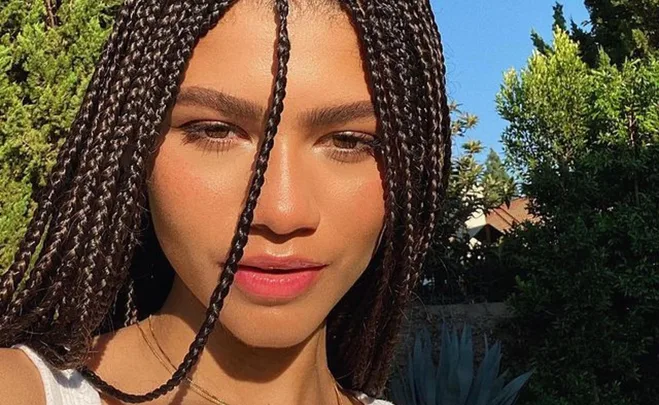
<point x="69" y="387"/>
<point x="62" y="387"/>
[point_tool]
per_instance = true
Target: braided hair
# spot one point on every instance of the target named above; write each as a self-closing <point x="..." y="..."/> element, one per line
<point x="73" y="271"/>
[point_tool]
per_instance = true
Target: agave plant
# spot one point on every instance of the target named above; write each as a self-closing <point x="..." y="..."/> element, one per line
<point x="452" y="381"/>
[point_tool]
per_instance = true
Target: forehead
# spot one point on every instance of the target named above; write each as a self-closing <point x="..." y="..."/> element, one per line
<point x="303" y="7"/>
<point x="238" y="55"/>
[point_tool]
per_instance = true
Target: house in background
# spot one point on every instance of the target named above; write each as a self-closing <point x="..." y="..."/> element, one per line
<point x="488" y="228"/>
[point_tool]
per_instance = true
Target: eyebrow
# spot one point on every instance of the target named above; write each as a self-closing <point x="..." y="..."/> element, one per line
<point x="244" y="109"/>
<point x="221" y="102"/>
<point x="339" y="114"/>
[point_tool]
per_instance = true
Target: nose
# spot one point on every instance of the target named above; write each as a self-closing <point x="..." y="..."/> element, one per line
<point x="286" y="206"/>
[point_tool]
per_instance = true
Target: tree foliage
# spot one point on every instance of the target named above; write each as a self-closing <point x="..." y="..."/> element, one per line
<point x="624" y="29"/>
<point x="46" y="59"/>
<point x="546" y="106"/>
<point x="586" y="141"/>
<point x="498" y="184"/>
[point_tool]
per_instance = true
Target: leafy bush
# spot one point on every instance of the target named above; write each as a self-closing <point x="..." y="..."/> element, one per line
<point x="588" y="301"/>
<point x="46" y="61"/>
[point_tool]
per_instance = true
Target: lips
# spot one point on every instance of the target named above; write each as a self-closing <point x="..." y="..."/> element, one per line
<point x="272" y="278"/>
<point x="282" y="263"/>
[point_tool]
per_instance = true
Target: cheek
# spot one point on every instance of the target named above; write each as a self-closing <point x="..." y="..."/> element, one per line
<point x="362" y="206"/>
<point x="186" y="196"/>
<point x="195" y="202"/>
<point x="356" y="208"/>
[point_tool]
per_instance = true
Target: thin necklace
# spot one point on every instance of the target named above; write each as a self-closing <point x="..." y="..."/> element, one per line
<point x="171" y="367"/>
<point x="167" y="363"/>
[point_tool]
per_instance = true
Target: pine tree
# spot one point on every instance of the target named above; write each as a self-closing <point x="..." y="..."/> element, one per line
<point x="622" y="28"/>
<point x="47" y="54"/>
<point x="499" y="186"/>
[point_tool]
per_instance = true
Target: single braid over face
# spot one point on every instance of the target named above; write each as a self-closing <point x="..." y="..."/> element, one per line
<point x="74" y="262"/>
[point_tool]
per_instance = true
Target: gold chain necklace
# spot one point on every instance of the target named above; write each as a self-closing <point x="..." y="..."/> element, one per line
<point x="167" y="363"/>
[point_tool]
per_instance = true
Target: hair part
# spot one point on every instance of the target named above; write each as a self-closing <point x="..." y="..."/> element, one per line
<point x="73" y="272"/>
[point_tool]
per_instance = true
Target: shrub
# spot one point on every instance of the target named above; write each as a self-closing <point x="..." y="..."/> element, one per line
<point x="45" y="66"/>
<point x="452" y="381"/>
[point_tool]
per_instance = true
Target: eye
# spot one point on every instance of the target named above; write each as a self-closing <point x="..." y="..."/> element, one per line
<point x="346" y="141"/>
<point x="215" y="135"/>
<point x="213" y="130"/>
<point x="352" y="146"/>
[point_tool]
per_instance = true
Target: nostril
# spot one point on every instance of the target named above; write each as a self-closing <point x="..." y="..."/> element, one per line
<point x="280" y="235"/>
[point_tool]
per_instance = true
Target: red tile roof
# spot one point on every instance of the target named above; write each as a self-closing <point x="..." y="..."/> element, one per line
<point x="503" y="217"/>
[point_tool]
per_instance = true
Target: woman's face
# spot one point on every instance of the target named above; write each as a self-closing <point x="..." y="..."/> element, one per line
<point x="322" y="201"/>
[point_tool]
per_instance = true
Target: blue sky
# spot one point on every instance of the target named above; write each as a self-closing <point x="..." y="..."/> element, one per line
<point x="482" y="40"/>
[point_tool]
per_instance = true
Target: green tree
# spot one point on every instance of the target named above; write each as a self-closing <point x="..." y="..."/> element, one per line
<point x="498" y="184"/>
<point x="546" y="106"/>
<point x="622" y="28"/>
<point x="47" y="55"/>
<point x="586" y="141"/>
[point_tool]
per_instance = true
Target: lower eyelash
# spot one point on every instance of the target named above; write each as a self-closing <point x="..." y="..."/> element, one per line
<point x="352" y="155"/>
<point x="205" y="143"/>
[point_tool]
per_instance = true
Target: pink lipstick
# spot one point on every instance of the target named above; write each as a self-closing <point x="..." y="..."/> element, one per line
<point x="276" y="278"/>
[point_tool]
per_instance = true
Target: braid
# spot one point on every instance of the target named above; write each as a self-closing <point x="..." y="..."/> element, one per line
<point x="387" y="293"/>
<point x="93" y="305"/>
<point x="435" y="72"/>
<point x="131" y="313"/>
<point x="396" y="60"/>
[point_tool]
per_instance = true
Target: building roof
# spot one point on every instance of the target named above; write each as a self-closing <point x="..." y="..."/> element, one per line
<point x="503" y="217"/>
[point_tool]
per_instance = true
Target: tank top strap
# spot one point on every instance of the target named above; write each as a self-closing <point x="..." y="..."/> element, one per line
<point x="62" y="387"/>
<point x="367" y="400"/>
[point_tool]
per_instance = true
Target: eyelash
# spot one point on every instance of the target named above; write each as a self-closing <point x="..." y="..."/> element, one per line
<point x="366" y="145"/>
<point x="197" y="133"/>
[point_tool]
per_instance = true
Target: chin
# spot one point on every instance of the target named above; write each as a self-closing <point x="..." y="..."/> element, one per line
<point x="275" y="327"/>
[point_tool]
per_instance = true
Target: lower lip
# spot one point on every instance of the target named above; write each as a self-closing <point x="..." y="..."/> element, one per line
<point x="284" y="285"/>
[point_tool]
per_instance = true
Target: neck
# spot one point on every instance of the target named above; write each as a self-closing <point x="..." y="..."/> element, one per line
<point x="240" y="374"/>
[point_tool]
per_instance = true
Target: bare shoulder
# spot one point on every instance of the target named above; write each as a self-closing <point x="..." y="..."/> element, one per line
<point x="20" y="382"/>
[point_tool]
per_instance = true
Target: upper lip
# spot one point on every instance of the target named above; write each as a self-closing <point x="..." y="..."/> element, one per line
<point x="267" y="262"/>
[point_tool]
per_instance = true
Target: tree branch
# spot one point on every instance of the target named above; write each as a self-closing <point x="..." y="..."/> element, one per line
<point x="50" y="10"/>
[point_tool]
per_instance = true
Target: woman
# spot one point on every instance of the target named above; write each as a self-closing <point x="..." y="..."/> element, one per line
<point x="116" y="282"/>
